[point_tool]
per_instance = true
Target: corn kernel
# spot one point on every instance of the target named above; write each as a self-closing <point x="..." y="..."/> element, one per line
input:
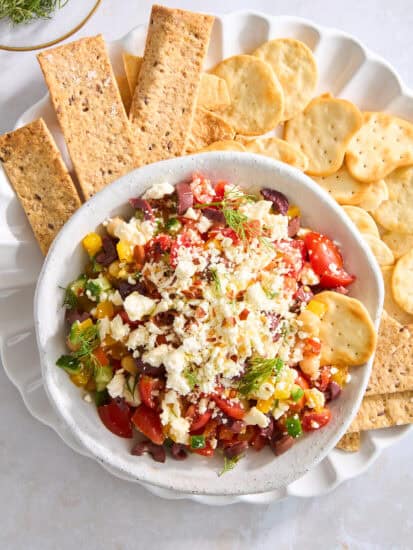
<point x="92" y="243"/>
<point x="293" y="211"/>
<point x="314" y="398"/>
<point x="113" y="269"/>
<point x="316" y="307"/>
<point x="265" y="405"/>
<point x="104" y="309"/>
<point x="125" y="252"/>
<point x="129" y="364"/>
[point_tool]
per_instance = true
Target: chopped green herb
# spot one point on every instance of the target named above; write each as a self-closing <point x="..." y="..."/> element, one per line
<point x="257" y="372"/>
<point x="197" y="442"/>
<point x="265" y="241"/>
<point x="68" y="363"/>
<point x="216" y="280"/>
<point x="173" y="225"/>
<point x="23" y="11"/>
<point x="191" y="378"/>
<point x="96" y="267"/>
<point x="236" y="220"/>
<point x="296" y="393"/>
<point x="93" y="288"/>
<point x="229" y="464"/>
<point x="293" y="426"/>
<point x="270" y="294"/>
<point x="85" y="341"/>
<point x="101" y="397"/>
<point x="73" y="291"/>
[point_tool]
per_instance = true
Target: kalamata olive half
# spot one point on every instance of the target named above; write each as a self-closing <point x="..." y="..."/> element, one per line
<point x="185" y="197"/>
<point x="144" y="206"/>
<point x="279" y="201"/>
<point x="235" y="450"/>
<point x="179" y="451"/>
<point x="281" y="446"/>
<point x="156" y="451"/>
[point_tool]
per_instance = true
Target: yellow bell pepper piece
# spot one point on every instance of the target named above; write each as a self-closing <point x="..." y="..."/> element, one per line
<point x="84" y="325"/>
<point x="339" y="375"/>
<point x="104" y="309"/>
<point x="125" y="252"/>
<point x="265" y="405"/>
<point x="92" y="243"/>
<point x="282" y="391"/>
<point x="294" y="211"/>
<point x="314" y="398"/>
<point x="81" y="378"/>
<point x="316" y="307"/>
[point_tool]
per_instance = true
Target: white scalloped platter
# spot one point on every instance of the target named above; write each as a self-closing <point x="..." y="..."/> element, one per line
<point x="348" y="70"/>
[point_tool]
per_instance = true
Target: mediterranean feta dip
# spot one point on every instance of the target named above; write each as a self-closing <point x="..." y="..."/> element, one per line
<point x="190" y="322"/>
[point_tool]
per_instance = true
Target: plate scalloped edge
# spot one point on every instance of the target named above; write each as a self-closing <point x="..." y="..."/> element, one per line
<point x="351" y="68"/>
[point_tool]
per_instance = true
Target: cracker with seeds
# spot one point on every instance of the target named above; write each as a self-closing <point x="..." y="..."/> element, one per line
<point x="381" y="251"/>
<point x="90" y="112"/>
<point x="384" y="411"/>
<point x="396" y="213"/>
<point x="346" y="331"/>
<point x="278" y="149"/>
<point x="207" y="128"/>
<point x="350" y="442"/>
<point x="402" y="282"/>
<point x="296" y="69"/>
<point x="40" y="179"/>
<point x="343" y="187"/>
<point x="164" y="101"/>
<point x="132" y="65"/>
<point x="393" y="362"/>
<point x="213" y="93"/>
<point x="382" y="144"/>
<point x="398" y="243"/>
<point x="376" y="192"/>
<point x="390" y="305"/>
<point x="362" y="220"/>
<point x="257" y="99"/>
<point x="224" y="145"/>
<point x="323" y="131"/>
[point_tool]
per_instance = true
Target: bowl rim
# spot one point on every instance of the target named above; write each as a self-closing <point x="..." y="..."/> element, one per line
<point x="145" y="171"/>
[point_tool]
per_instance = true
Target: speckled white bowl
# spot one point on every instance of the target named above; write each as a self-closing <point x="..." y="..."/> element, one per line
<point x="258" y="472"/>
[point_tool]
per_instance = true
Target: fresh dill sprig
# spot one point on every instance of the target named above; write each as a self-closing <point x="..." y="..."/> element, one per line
<point x="257" y="372"/>
<point x="70" y="299"/>
<point x="236" y="220"/>
<point x="23" y="11"/>
<point x="191" y="378"/>
<point x="265" y="241"/>
<point x="216" y="280"/>
<point x="85" y="340"/>
<point x="229" y="464"/>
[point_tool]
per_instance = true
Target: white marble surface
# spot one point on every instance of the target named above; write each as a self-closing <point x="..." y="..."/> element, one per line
<point x="51" y="498"/>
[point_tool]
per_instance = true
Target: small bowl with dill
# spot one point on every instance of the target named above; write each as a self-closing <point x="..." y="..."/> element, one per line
<point x="33" y="24"/>
<point x="184" y="347"/>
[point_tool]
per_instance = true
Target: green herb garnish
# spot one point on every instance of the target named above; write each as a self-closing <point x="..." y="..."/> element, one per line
<point x="296" y="393"/>
<point x="216" y="280"/>
<point x="258" y="371"/>
<point x="191" y="378"/>
<point x="93" y="288"/>
<point x="85" y="341"/>
<point x="293" y="426"/>
<point x="23" y="11"/>
<point x="197" y="442"/>
<point x="229" y="464"/>
<point x="269" y="293"/>
<point x="74" y="290"/>
<point x="173" y="225"/>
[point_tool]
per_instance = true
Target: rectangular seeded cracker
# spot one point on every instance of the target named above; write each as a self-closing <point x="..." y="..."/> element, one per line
<point x="393" y="363"/>
<point x="350" y="442"/>
<point x="383" y="411"/>
<point x="41" y="181"/>
<point x="166" y="93"/>
<point x="90" y="112"/>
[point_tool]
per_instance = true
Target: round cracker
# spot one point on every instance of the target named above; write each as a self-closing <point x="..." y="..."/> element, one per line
<point x="398" y="243"/>
<point x="363" y="221"/>
<point x="322" y="132"/>
<point x="278" y="149"/>
<point x="257" y="99"/>
<point x="381" y="251"/>
<point x="342" y="186"/>
<point x="296" y="69"/>
<point x="390" y="305"/>
<point x="402" y="282"/>
<point x="375" y="193"/>
<point x="347" y="333"/>
<point x="224" y="145"/>
<point x="396" y="213"/>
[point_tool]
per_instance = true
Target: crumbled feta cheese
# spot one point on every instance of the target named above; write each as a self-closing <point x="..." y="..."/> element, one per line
<point x="204" y="224"/>
<point x="156" y="356"/>
<point x="185" y="269"/>
<point x="87" y="397"/>
<point x="116" y="298"/>
<point x="116" y="385"/>
<point x="280" y="410"/>
<point x="137" y="338"/>
<point x="255" y="417"/>
<point x="308" y="276"/>
<point x="104" y="327"/>
<point x="159" y="190"/>
<point x="256" y="296"/>
<point x="191" y="214"/>
<point x="119" y="330"/>
<point x="137" y="306"/>
<point x="134" y="232"/>
<point x="265" y="391"/>
<point x="135" y="399"/>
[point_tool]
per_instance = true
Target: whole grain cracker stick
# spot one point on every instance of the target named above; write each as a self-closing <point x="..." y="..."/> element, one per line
<point x="166" y="93"/>
<point x="42" y="183"/>
<point x="90" y="112"/>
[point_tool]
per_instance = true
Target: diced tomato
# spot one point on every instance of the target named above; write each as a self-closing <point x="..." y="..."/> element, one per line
<point x="252" y="229"/>
<point x="220" y="189"/>
<point x="202" y="189"/>
<point x="233" y="409"/>
<point x="147" y="385"/>
<point x="148" y="422"/>
<point x="312" y="346"/>
<point x="198" y="420"/>
<point x="312" y="420"/>
<point x="339" y="277"/>
<point x="125" y="318"/>
<point x="116" y="416"/>
<point x="101" y="356"/>
<point x="226" y="232"/>
<point x="206" y="451"/>
<point x="324" y="379"/>
<point x="184" y="240"/>
<point x="225" y="434"/>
